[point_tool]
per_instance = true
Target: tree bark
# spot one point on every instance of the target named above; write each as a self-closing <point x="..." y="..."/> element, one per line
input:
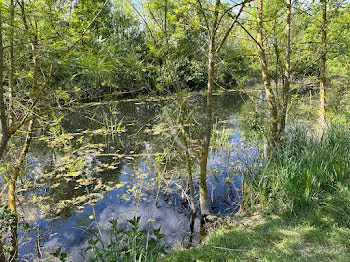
<point x="19" y="163"/>
<point x="11" y="69"/>
<point x="4" y="128"/>
<point x="165" y="24"/>
<point x="12" y="193"/>
<point x="286" y="85"/>
<point x="2" y="255"/>
<point x="323" y="123"/>
<point x="273" y="129"/>
<point x="203" y="190"/>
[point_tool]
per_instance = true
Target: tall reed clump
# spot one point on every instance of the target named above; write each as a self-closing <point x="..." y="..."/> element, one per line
<point x="303" y="170"/>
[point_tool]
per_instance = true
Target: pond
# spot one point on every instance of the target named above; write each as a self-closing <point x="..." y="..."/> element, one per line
<point x="120" y="159"/>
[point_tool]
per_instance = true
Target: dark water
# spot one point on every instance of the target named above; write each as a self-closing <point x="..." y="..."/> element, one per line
<point x="106" y="161"/>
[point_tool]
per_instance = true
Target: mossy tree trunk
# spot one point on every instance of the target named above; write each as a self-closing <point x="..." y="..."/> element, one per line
<point x="4" y="128"/>
<point x="12" y="193"/>
<point x="11" y="69"/>
<point x="203" y="190"/>
<point x="273" y="121"/>
<point x="323" y="80"/>
<point x="286" y="84"/>
<point x="20" y="160"/>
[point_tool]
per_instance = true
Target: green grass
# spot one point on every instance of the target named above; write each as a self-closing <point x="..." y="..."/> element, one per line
<point x="270" y="238"/>
<point x="301" y="171"/>
<point x="302" y="194"/>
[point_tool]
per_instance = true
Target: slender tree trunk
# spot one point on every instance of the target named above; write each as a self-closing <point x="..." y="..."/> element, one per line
<point x="12" y="70"/>
<point x="273" y="132"/>
<point x="4" y="129"/>
<point x="19" y="163"/>
<point x="277" y="62"/>
<point x="165" y="24"/>
<point x="275" y="45"/>
<point x="2" y="255"/>
<point x="323" y="124"/>
<point x="34" y="45"/>
<point x="286" y="86"/>
<point x="34" y="92"/>
<point x="203" y="190"/>
<point x="12" y="193"/>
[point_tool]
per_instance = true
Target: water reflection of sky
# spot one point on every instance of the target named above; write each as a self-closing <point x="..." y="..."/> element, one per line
<point x="223" y="188"/>
<point x="71" y="235"/>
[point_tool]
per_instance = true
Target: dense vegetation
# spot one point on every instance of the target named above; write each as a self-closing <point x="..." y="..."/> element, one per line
<point x="56" y="55"/>
<point x="296" y="206"/>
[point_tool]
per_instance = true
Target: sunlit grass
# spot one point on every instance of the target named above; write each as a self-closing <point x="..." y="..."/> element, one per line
<point x="301" y="197"/>
<point x="272" y="238"/>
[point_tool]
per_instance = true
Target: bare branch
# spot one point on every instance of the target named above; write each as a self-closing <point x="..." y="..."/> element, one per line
<point x="232" y="25"/>
<point x="203" y="13"/>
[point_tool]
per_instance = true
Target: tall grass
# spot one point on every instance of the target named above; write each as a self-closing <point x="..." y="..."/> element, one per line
<point x="302" y="170"/>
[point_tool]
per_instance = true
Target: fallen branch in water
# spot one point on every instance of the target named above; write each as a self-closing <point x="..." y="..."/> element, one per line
<point x="122" y="155"/>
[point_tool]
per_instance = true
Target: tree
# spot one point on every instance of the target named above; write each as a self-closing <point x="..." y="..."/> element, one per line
<point x="40" y="34"/>
<point x="212" y="30"/>
<point x="4" y="128"/>
<point x="323" y="60"/>
<point x="270" y="96"/>
<point x="3" y="119"/>
<point x="286" y="83"/>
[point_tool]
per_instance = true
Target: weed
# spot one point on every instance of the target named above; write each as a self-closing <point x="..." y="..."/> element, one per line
<point x="129" y="244"/>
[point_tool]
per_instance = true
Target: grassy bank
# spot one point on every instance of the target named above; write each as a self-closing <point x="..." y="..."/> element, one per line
<point x="300" y="199"/>
<point x="267" y="237"/>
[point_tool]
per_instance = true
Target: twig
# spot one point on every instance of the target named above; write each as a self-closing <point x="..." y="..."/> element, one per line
<point x="229" y="249"/>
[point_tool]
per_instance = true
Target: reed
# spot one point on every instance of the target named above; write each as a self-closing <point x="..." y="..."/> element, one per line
<point x="303" y="170"/>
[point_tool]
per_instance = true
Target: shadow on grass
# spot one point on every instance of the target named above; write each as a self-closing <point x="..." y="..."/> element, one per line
<point x="271" y="239"/>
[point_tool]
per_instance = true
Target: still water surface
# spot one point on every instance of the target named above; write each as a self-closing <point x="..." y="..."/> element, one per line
<point x="107" y="161"/>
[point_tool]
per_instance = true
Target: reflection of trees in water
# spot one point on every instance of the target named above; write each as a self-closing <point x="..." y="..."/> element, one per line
<point x="170" y="163"/>
<point x="93" y="148"/>
<point x="69" y="178"/>
<point x="68" y="182"/>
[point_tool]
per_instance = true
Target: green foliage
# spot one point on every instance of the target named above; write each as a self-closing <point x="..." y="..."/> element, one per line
<point x="7" y="218"/>
<point x="335" y="207"/>
<point x="61" y="255"/>
<point x="86" y="50"/>
<point x="302" y="170"/>
<point x="128" y="244"/>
